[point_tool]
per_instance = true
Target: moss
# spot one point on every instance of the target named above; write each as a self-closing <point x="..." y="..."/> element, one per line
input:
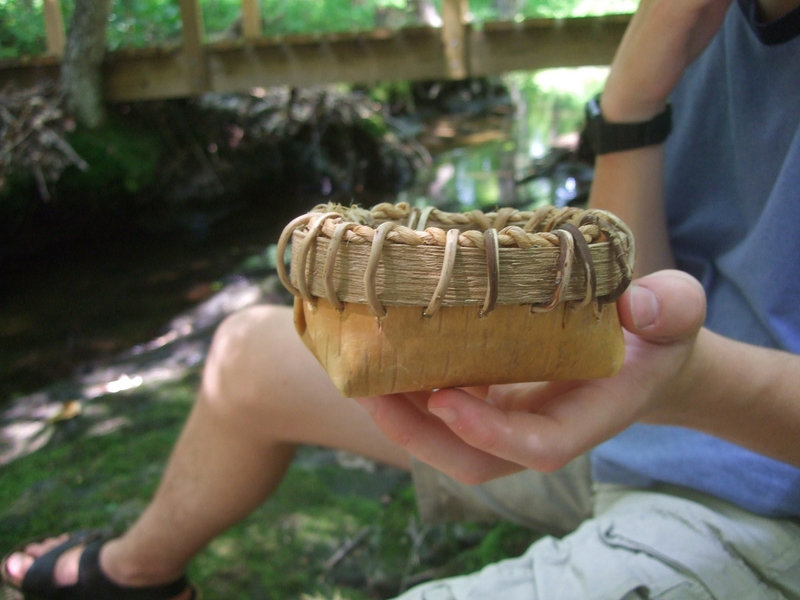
<point x="120" y="157"/>
<point x="328" y="532"/>
<point x="502" y="541"/>
<point x="80" y="478"/>
<point x="122" y="161"/>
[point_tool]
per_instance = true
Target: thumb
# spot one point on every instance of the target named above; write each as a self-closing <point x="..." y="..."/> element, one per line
<point x="663" y="307"/>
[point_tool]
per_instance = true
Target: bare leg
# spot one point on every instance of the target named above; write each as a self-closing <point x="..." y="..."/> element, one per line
<point x="262" y="393"/>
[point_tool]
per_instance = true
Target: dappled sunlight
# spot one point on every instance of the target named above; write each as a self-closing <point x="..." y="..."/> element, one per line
<point x="336" y="596"/>
<point x="320" y="526"/>
<point x="349" y="460"/>
<point x="30" y="422"/>
<point x="108" y="426"/>
<point x="23" y="437"/>
<point x="123" y="383"/>
<point x="27" y="426"/>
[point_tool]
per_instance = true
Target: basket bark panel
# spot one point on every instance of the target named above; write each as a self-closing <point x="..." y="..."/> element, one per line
<point x="395" y="299"/>
<point x="406" y="352"/>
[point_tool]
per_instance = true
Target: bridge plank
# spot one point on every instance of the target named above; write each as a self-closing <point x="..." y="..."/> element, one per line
<point x="545" y="43"/>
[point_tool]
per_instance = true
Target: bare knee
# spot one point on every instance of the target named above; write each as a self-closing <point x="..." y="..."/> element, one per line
<point x="260" y="378"/>
<point x="246" y="360"/>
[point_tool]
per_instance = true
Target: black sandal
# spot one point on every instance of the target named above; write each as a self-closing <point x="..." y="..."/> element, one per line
<point x="92" y="583"/>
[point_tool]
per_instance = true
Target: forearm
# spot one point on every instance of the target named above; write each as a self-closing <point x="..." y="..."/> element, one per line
<point x="629" y="184"/>
<point x="663" y="38"/>
<point x="745" y="394"/>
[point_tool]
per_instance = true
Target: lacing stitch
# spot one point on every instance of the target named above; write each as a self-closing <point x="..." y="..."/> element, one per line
<point x="283" y="241"/>
<point x="330" y="263"/>
<point x="370" y="284"/>
<point x="566" y="246"/>
<point x="492" y="248"/>
<point x="302" y="255"/>
<point x="623" y="258"/>
<point x="423" y="218"/>
<point x="585" y="255"/>
<point x="449" y="260"/>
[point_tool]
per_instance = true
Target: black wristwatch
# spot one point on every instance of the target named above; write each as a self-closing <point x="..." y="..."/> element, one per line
<point x="605" y="137"/>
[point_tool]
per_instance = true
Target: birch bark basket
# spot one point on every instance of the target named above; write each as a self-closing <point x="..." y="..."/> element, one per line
<point x="399" y="299"/>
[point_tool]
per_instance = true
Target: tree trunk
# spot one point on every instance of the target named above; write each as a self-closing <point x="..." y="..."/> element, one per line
<point x="81" y="76"/>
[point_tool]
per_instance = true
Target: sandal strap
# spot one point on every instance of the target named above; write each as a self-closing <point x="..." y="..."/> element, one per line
<point x="39" y="579"/>
<point x="92" y="584"/>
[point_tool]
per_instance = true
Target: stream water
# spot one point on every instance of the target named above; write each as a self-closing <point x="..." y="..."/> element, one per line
<point x="95" y="299"/>
<point x="106" y="294"/>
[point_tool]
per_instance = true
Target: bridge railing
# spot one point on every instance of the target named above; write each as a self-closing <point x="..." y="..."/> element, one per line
<point x="455" y="50"/>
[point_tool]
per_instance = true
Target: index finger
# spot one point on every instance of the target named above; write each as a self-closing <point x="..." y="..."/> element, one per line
<point x="427" y="438"/>
<point x="567" y="427"/>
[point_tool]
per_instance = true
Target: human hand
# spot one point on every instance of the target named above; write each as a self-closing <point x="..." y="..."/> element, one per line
<point x="662" y="39"/>
<point x="477" y="434"/>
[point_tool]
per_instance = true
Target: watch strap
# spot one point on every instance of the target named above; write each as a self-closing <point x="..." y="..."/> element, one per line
<point x="606" y="137"/>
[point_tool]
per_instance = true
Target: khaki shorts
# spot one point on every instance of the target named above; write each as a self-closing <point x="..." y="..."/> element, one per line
<point x="554" y="503"/>
<point x="668" y="543"/>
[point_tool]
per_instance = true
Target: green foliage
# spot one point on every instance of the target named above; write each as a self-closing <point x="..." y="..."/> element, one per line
<point x="304" y="16"/>
<point x="143" y="23"/>
<point x="120" y="157"/>
<point x="557" y="96"/>
<point x="21" y="28"/>
<point x="488" y="10"/>
<point x="219" y="14"/>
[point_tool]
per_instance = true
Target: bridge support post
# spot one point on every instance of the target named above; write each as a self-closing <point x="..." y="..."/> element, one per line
<point x="54" y="28"/>
<point x="251" y="19"/>
<point x="194" y="56"/>
<point x="454" y="38"/>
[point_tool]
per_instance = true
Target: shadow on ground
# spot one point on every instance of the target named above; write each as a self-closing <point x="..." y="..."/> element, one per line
<point x="88" y="453"/>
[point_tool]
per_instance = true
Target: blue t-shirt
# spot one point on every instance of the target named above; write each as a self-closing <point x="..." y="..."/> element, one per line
<point x="733" y="207"/>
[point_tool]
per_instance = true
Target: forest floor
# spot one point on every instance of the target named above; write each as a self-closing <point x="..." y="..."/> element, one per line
<point x="88" y="452"/>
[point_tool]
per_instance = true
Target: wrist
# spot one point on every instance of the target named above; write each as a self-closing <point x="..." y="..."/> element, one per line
<point x="626" y="106"/>
<point x="691" y="400"/>
<point x="621" y="111"/>
<point x="606" y="135"/>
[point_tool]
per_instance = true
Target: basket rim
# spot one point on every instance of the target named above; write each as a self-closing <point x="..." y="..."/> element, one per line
<point x="574" y="232"/>
<point x="428" y="226"/>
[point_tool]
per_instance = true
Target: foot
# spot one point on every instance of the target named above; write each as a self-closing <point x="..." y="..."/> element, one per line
<point x="65" y="571"/>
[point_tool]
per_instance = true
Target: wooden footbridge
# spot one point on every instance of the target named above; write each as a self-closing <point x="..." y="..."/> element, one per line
<point x="455" y="50"/>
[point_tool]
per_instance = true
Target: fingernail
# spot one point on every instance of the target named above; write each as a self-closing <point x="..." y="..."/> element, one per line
<point x="445" y="413"/>
<point x="644" y="306"/>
